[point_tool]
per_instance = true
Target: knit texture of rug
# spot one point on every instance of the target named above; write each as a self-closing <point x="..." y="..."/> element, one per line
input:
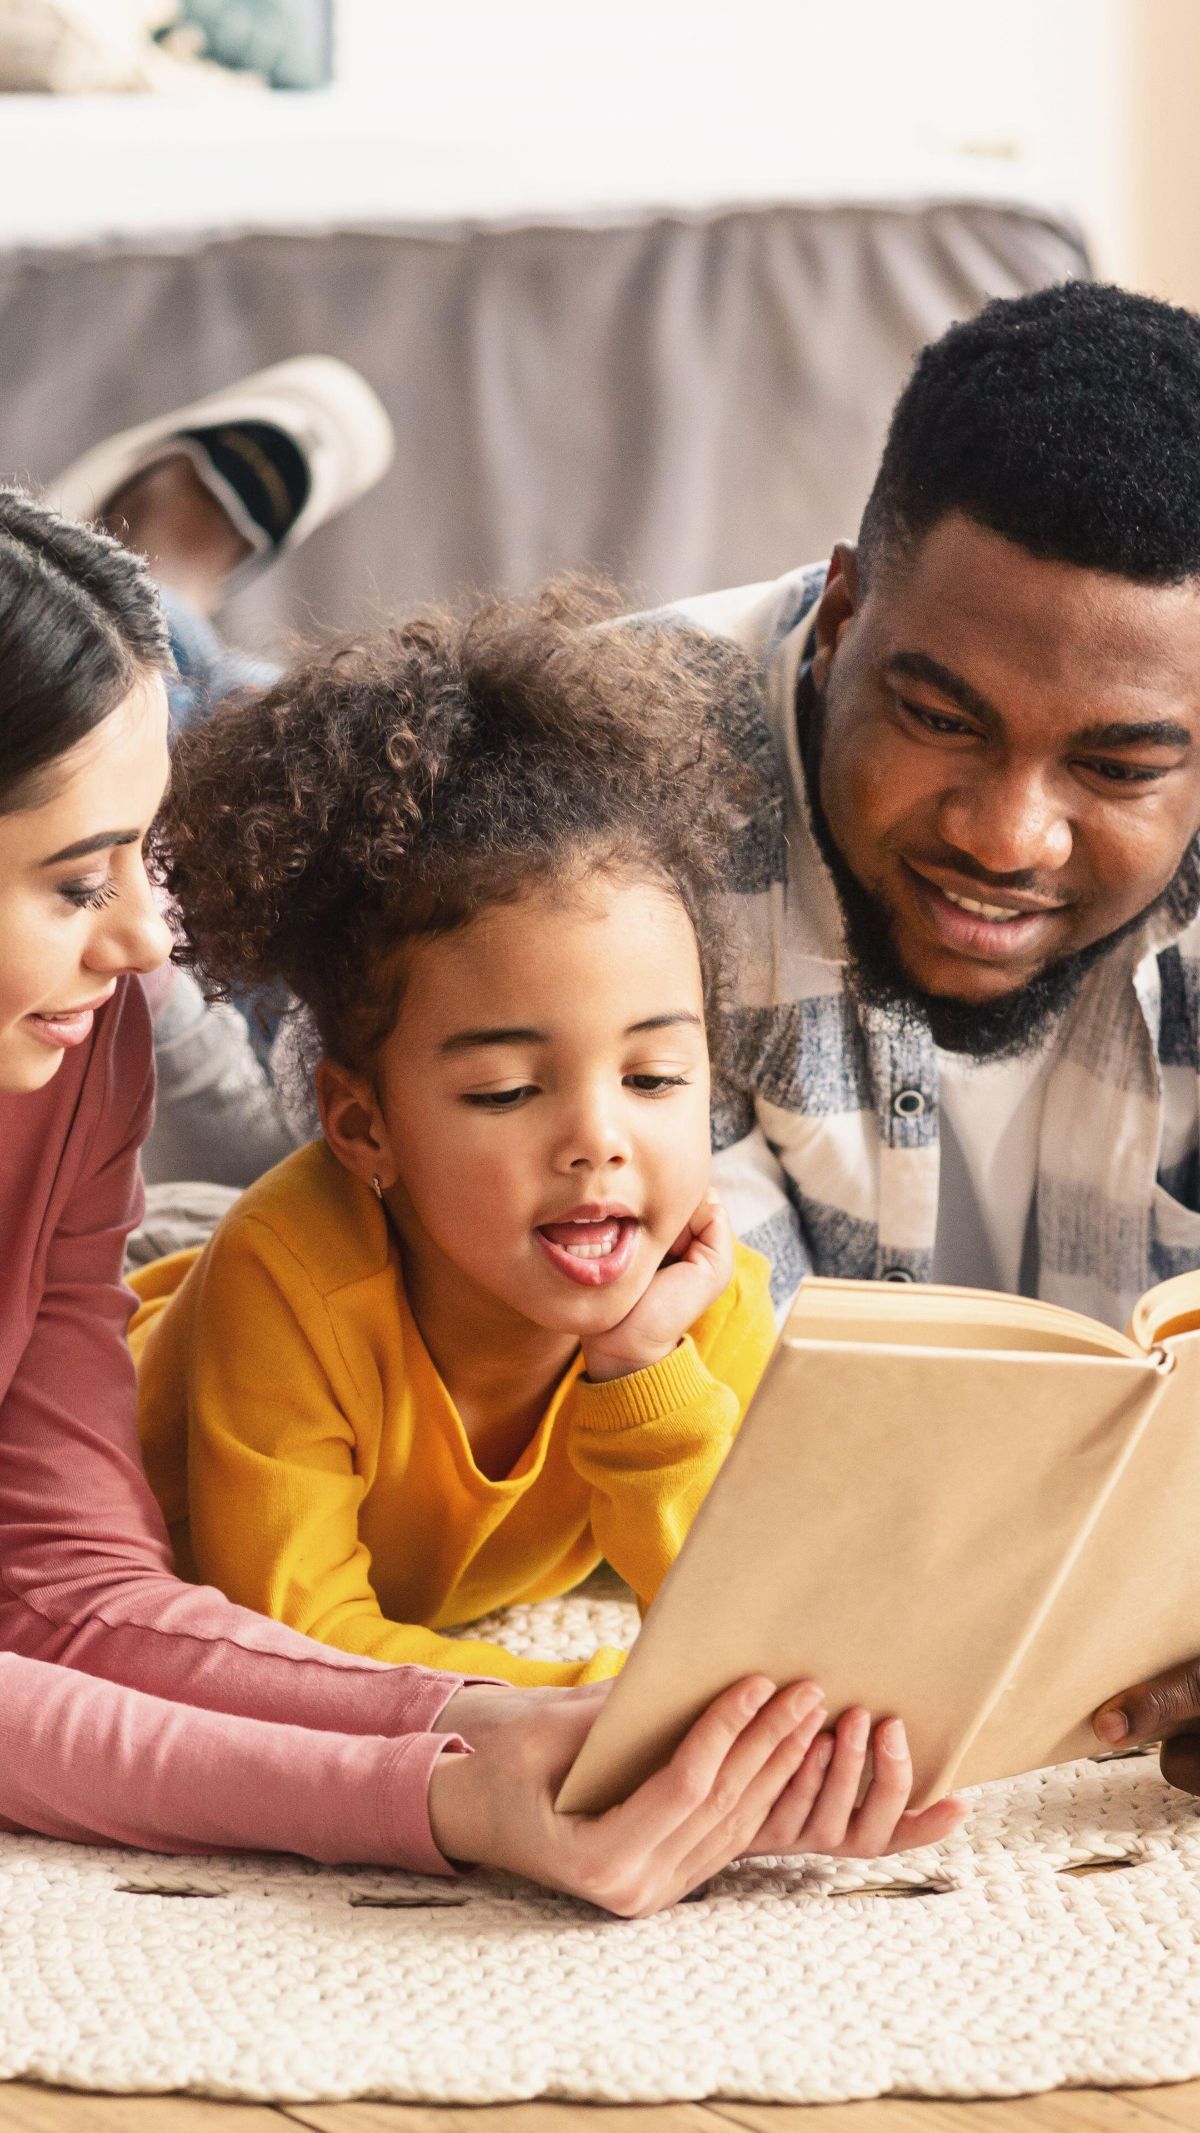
<point x="1056" y="1942"/>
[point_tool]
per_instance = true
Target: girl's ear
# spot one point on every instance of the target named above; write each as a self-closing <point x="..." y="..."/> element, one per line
<point x="353" y="1123"/>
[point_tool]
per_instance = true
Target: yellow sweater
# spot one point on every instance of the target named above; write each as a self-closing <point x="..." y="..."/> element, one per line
<point x="310" y="1462"/>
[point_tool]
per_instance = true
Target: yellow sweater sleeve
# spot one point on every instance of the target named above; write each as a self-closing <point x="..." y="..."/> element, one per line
<point x="650" y="1445"/>
<point x="273" y="1491"/>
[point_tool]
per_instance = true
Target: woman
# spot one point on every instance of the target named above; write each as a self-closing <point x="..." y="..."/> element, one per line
<point x="167" y="1717"/>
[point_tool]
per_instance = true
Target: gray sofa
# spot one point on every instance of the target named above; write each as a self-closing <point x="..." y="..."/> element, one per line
<point x="687" y="398"/>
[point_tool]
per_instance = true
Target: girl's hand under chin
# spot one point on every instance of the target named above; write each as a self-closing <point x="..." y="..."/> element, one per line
<point x="698" y="1268"/>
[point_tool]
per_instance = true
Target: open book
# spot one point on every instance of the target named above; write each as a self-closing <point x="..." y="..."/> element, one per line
<point x="979" y="1512"/>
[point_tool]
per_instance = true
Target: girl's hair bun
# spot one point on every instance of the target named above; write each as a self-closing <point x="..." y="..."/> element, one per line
<point x="395" y="785"/>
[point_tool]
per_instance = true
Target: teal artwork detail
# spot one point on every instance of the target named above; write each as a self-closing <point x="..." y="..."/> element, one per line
<point x="286" y="41"/>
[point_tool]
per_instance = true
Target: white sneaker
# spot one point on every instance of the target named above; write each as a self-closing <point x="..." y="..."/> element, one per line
<point x="282" y="451"/>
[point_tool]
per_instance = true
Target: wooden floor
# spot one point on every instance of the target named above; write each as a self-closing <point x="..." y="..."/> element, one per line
<point x="25" y="2108"/>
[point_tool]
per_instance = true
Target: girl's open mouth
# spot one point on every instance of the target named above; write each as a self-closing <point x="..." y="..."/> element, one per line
<point x="593" y="1253"/>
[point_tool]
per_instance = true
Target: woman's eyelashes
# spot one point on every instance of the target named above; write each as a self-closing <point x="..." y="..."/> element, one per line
<point x="88" y="895"/>
<point x="92" y="895"/>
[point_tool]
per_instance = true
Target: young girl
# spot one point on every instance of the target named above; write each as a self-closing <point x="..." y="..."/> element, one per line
<point x="493" y="1326"/>
<point x="134" y="1709"/>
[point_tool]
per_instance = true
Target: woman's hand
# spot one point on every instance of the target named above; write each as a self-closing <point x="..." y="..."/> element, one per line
<point x="817" y="1813"/>
<point x="755" y="1774"/>
<point x="708" y="1805"/>
<point x="697" y="1269"/>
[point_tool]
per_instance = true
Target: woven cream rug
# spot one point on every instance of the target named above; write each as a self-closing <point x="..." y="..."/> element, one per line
<point x="1057" y="1943"/>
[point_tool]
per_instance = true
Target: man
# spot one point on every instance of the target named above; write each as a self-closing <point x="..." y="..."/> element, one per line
<point x="967" y="1039"/>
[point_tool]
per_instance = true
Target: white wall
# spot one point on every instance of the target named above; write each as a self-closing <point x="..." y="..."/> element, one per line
<point x="1093" y="104"/>
<point x="816" y="92"/>
<point x="1159" y="149"/>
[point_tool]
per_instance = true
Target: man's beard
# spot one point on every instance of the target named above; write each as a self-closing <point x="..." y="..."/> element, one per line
<point x="1014" y="1024"/>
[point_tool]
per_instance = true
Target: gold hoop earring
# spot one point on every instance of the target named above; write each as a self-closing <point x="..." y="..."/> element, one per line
<point x="377" y="1189"/>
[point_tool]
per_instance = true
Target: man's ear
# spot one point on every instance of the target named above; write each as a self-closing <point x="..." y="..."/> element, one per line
<point x="837" y="607"/>
<point x="353" y="1123"/>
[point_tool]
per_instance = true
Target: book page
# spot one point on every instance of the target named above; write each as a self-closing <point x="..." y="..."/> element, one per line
<point x="934" y="1315"/>
<point x="1170" y="1309"/>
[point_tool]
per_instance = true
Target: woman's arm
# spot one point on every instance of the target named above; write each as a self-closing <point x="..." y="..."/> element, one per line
<point x="92" y="1762"/>
<point x="85" y="1569"/>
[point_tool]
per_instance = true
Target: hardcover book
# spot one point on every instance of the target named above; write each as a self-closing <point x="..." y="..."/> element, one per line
<point x="978" y="1512"/>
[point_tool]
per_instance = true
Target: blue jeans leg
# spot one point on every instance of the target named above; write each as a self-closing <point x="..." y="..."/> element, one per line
<point x="206" y="667"/>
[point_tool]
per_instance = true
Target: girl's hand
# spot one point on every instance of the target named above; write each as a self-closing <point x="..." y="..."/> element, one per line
<point x="817" y="1812"/>
<point x="697" y="1269"/>
<point x="712" y="1802"/>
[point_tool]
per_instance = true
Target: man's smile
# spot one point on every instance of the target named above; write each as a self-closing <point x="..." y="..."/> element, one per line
<point x="1001" y="926"/>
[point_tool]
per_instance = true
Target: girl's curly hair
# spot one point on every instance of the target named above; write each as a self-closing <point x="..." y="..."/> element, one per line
<point x="396" y="785"/>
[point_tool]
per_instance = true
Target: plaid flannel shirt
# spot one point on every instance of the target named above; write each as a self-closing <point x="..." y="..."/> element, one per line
<point x="826" y="1127"/>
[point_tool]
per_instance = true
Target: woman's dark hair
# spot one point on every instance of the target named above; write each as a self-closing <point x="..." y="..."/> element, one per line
<point x="393" y="787"/>
<point x="80" y="620"/>
<point x="1067" y="421"/>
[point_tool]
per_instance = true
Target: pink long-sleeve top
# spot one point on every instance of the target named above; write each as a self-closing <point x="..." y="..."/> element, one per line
<point x="166" y="1717"/>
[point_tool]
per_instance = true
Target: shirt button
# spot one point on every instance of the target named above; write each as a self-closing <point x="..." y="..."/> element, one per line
<point x="908" y="1103"/>
<point x="897" y="1273"/>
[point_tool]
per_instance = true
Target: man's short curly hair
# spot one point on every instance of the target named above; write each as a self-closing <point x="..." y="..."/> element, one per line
<point x="1068" y="421"/>
<point x="395" y="786"/>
